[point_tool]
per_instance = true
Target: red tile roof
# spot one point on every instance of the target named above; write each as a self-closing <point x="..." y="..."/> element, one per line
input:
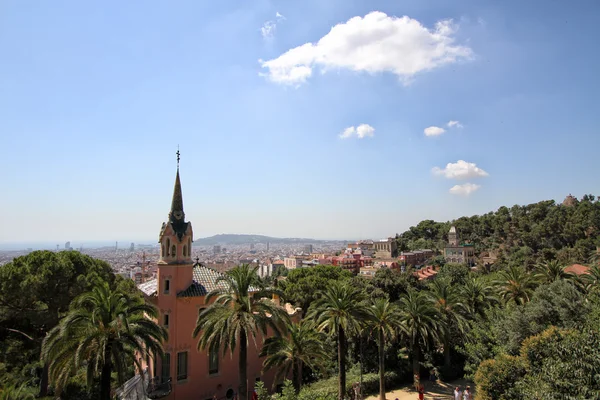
<point x="577" y="269"/>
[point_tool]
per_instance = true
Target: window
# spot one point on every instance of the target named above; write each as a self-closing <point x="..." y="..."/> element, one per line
<point x="182" y="366"/>
<point x="184" y="250"/>
<point x="166" y="319"/>
<point x="173" y="251"/>
<point x="166" y="367"/>
<point x="213" y="361"/>
<point x="168" y="246"/>
<point x="167" y="286"/>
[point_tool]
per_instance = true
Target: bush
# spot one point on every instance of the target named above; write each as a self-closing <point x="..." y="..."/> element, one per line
<point x="496" y="379"/>
<point x="327" y="389"/>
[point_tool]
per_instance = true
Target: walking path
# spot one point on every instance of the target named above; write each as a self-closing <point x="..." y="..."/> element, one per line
<point x="433" y="391"/>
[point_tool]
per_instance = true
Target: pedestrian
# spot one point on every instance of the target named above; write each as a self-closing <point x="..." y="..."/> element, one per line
<point x="457" y="393"/>
<point x="421" y="392"/>
<point x="467" y="394"/>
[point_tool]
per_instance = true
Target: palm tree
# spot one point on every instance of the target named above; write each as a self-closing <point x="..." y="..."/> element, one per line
<point x="419" y="323"/>
<point x="340" y="312"/>
<point x="302" y="346"/>
<point x="551" y="271"/>
<point x="241" y="310"/>
<point x="383" y="319"/>
<point x="105" y="330"/>
<point x="515" y="284"/>
<point x="477" y="295"/>
<point x="447" y="301"/>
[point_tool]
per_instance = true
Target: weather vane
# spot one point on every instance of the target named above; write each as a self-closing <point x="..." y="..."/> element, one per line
<point x="178" y="156"/>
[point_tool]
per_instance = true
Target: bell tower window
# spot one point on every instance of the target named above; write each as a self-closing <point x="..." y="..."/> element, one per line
<point x="173" y="251"/>
<point x="184" y="250"/>
<point x="168" y="246"/>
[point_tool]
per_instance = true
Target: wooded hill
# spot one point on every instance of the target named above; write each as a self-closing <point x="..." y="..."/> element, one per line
<point x="568" y="232"/>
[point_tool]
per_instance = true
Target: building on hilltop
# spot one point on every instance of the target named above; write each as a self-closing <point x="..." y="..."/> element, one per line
<point x="386" y="248"/>
<point x="179" y="292"/>
<point x="570" y="201"/>
<point x="458" y="253"/>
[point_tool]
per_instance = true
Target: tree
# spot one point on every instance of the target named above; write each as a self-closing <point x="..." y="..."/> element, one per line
<point x="550" y="271"/>
<point x="383" y="319"/>
<point x="446" y="300"/>
<point x="496" y="379"/>
<point x="515" y="284"/>
<point x="477" y="295"/>
<point x="240" y="311"/>
<point x="105" y="330"/>
<point x="340" y="312"/>
<point x="303" y="345"/>
<point x="419" y="323"/>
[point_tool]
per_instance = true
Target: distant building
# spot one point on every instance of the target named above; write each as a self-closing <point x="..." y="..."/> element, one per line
<point x="386" y="248"/>
<point x="308" y="249"/>
<point x="415" y="257"/>
<point x="294" y="262"/>
<point x="216" y="249"/>
<point x="68" y="246"/>
<point x="458" y="253"/>
<point x="569" y="201"/>
<point x="132" y="247"/>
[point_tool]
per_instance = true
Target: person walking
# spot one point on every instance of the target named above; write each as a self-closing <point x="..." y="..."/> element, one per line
<point x="457" y="393"/>
<point x="467" y="394"/>
<point x="421" y="392"/>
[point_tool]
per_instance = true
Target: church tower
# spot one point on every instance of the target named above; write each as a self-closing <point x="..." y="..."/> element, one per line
<point x="175" y="265"/>
<point x="453" y="237"/>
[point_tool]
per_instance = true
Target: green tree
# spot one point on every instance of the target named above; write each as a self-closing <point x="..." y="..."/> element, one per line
<point x="383" y="319"/>
<point x="550" y="271"/>
<point x="477" y="295"/>
<point x="105" y="330"/>
<point x="447" y="301"/>
<point x="240" y="310"/>
<point x="515" y="284"/>
<point x="419" y="321"/>
<point x="340" y="312"/>
<point x="304" y="285"/>
<point x="302" y="345"/>
<point x="495" y="379"/>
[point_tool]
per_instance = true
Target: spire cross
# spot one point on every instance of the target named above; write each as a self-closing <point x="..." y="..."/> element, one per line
<point x="178" y="156"/>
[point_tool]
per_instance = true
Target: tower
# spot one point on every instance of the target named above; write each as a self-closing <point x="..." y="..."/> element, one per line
<point x="175" y="265"/>
<point x="453" y="237"/>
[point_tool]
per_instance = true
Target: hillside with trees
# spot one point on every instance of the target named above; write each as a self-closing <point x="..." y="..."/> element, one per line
<point x="525" y="235"/>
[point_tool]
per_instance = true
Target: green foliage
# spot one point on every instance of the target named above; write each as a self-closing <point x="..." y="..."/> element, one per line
<point x="16" y="393"/>
<point x="304" y="285"/>
<point x="261" y="391"/>
<point x="496" y="379"/>
<point x="35" y="293"/>
<point x="457" y="274"/>
<point x="327" y="389"/>
<point x="105" y="330"/>
<point x="241" y="310"/>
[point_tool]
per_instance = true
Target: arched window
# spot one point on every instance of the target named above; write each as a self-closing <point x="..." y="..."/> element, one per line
<point x="173" y="251"/>
<point x="184" y="250"/>
<point x="162" y="251"/>
<point x="168" y="246"/>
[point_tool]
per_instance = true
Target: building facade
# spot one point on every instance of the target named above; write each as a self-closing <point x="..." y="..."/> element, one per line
<point x="458" y="253"/>
<point x="387" y="248"/>
<point x="179" y="292"/>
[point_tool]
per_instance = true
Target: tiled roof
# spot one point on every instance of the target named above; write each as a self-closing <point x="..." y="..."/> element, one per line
<point x="577" y="269"/>
<point x="204" y="282"/>
<point x="149" y="288"/>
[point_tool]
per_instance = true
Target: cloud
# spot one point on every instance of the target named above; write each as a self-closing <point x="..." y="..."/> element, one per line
<point x="465" y="189"/>
<point x="460" y="170"/>
<point x="362" y="131"/>
<point x="373" y="43"/>
<point x="434" y="131"/>
<point x="452" y="124"/>
<point x="268" y="29"/>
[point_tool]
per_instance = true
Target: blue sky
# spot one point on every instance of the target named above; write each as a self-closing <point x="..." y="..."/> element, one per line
<point x="95" y="99"/>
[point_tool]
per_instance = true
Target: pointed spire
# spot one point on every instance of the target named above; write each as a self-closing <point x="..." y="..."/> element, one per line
<point x="177" y="213"/>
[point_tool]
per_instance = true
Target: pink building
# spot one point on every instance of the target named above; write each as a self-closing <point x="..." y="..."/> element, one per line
<point x="179" y="294"/>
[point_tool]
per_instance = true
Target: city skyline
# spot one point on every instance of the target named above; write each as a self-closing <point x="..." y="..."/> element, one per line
<point x="358" y="125"/>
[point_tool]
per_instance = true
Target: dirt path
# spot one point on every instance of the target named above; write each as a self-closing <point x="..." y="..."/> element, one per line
<point x="433" y="391"/>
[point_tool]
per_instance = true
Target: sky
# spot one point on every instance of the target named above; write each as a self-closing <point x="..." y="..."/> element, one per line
<point x="334" y="119"/>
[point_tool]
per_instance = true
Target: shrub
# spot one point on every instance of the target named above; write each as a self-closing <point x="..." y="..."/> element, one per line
<point x="327" y="389"/>
<point x="496" y="379"/>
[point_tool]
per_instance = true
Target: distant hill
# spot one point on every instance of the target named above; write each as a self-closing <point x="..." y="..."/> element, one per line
<point x="229" y="239"/>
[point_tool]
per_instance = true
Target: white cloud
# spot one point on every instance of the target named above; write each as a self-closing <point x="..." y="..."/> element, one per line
<point x="268" y="29"/>
<point x="465" y="189"/>
<point x="373" y="43"/>
<point x="362" y="131"/>
<point x="434" y="131"/>
<point x="460" y="170"/>
<point x="452" y="124"/>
